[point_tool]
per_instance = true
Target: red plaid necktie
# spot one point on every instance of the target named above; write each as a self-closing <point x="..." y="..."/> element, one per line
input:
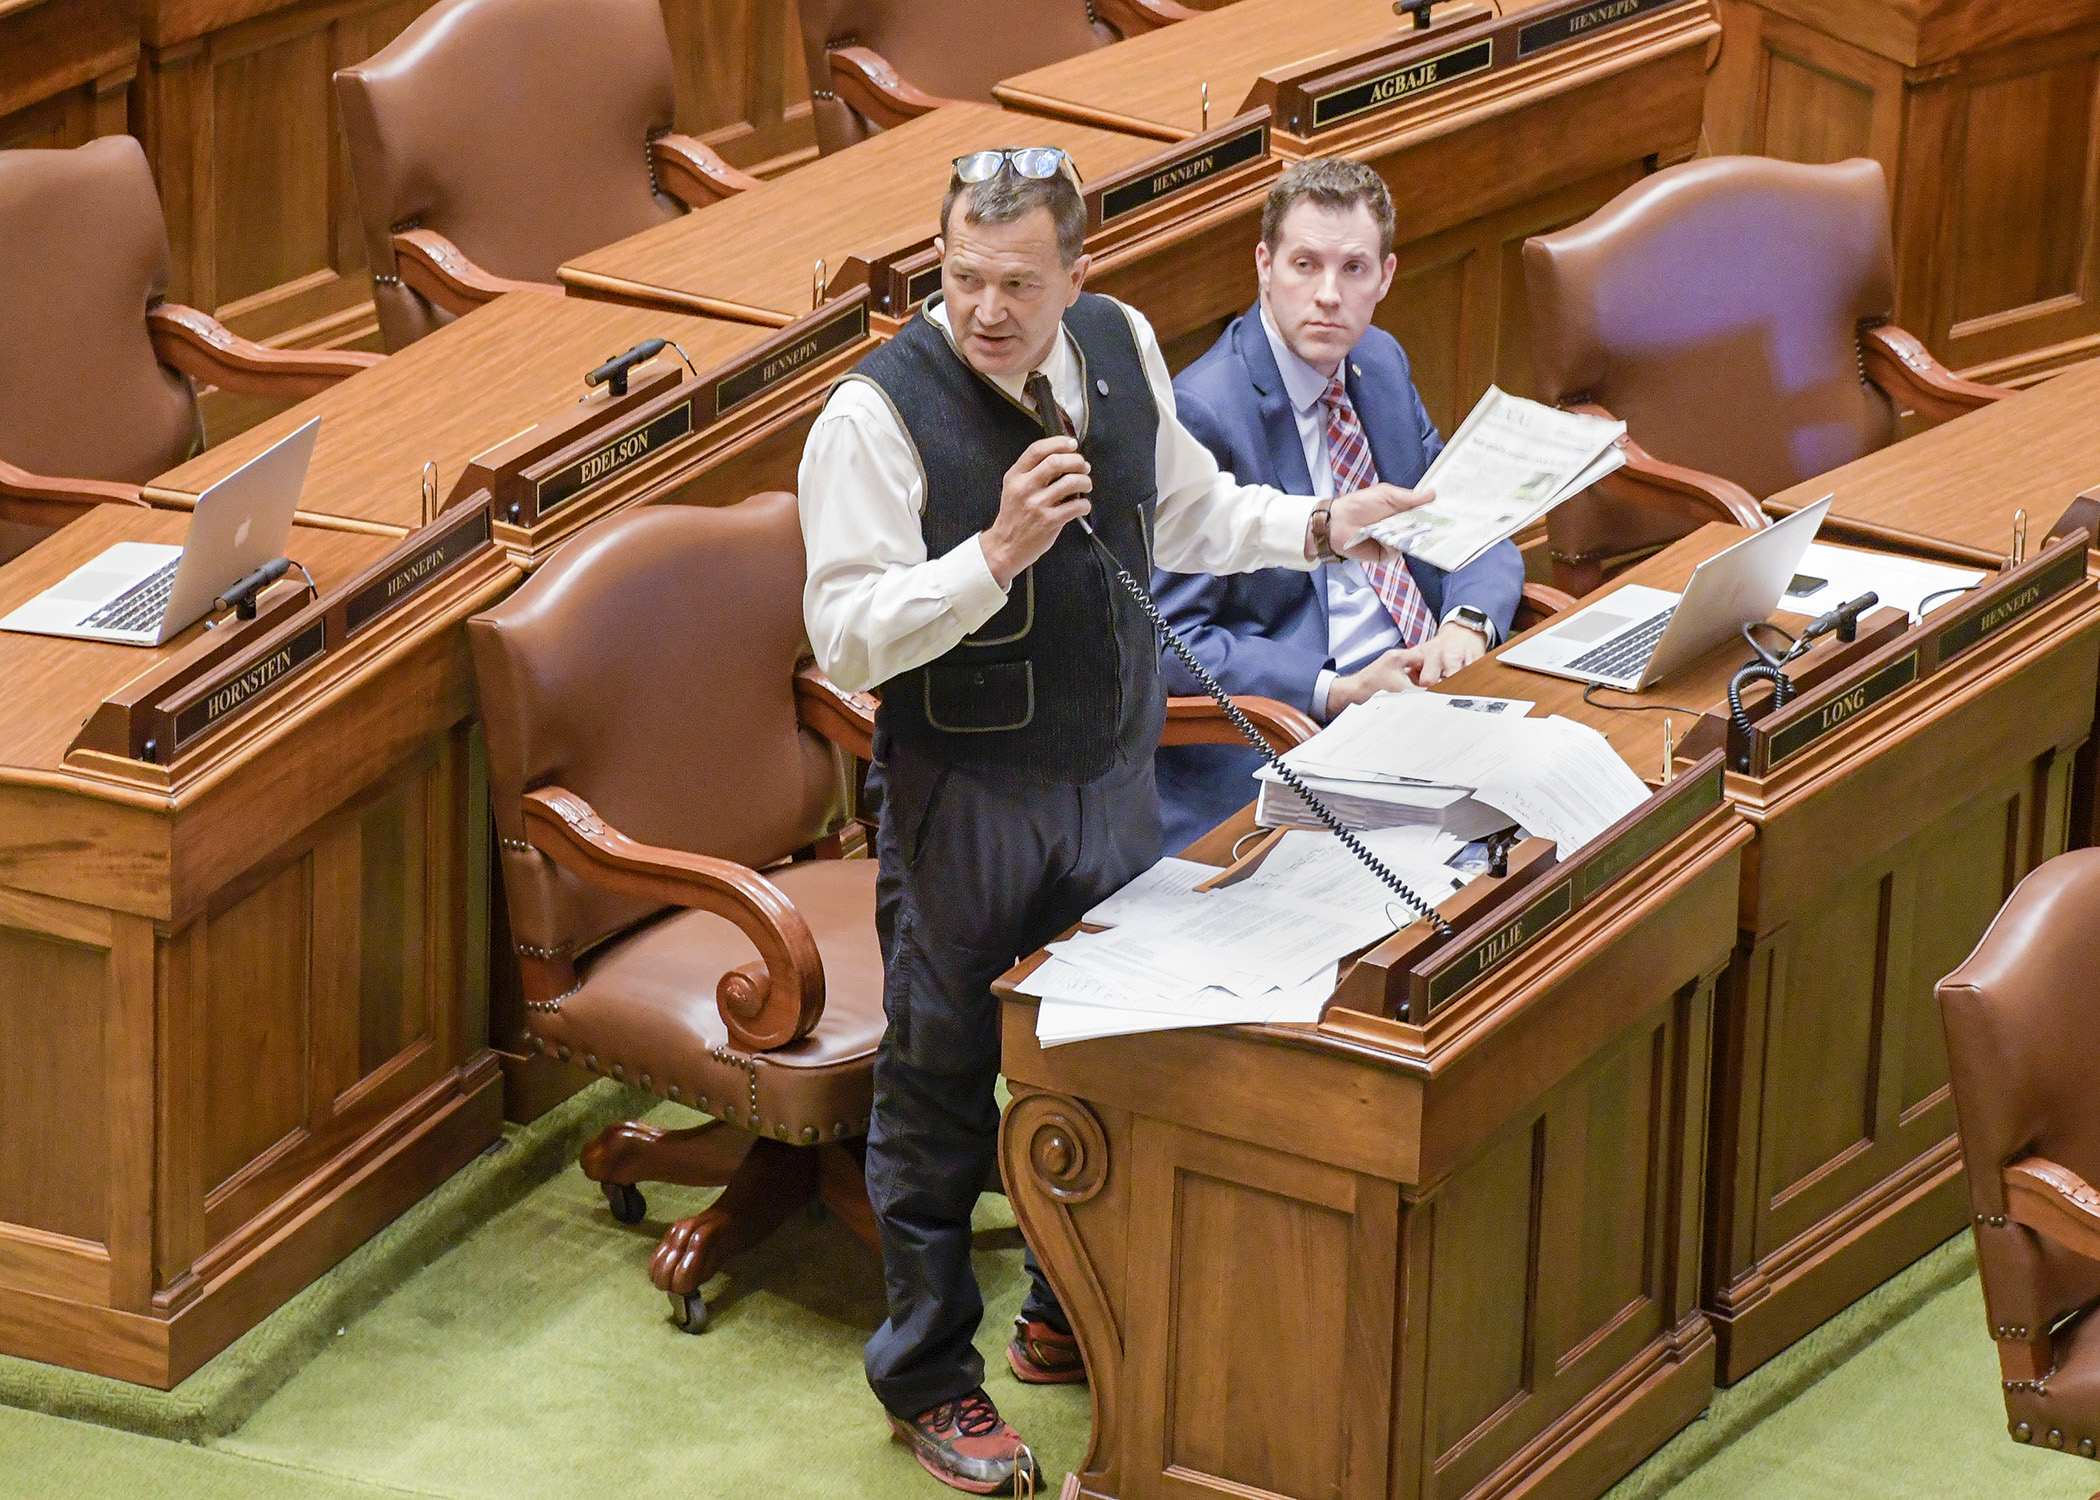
<point x="1349" y="456"/>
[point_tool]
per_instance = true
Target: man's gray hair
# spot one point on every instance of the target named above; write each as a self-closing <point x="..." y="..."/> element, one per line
<point x="1008" y="196"/>
<point x="1332" y="183"/>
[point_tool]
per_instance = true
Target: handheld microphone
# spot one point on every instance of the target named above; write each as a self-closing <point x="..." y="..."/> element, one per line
<point x="614" y="371"/>
<point x="242" y="596"/>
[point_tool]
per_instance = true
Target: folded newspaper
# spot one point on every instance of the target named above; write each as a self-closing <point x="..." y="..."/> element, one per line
<point x="1510" y="462"/>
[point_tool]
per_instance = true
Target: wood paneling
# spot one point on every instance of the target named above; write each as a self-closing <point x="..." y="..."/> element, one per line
<point x="53" y="1076"/>
<point x="64" y="67"/>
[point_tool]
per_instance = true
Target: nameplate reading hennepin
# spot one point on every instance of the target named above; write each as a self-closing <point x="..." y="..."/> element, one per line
<point x="1499" y="946"/>
<point x="416" y="572"/>
<point x="1567" y="26"/>
<point x="613" y="456"/>
<point x="1820" y="718"/>
<point x="1987" y="618"/>
<point x="762" y="374"/>
<point x="1184" y="172"/>
<point x="1402" y="83"/>
<point x="257" y="679"/>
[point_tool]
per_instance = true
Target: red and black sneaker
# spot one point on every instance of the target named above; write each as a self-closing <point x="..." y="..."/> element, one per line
<point x="1040" y="1355"/>
<point x="965" y="1443"/>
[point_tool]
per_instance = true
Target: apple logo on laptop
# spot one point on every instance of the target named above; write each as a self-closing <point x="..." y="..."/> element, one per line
<point x="240" y="538"/>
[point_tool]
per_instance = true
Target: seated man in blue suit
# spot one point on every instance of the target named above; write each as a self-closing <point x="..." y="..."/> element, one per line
<point x="1304" y="394"/>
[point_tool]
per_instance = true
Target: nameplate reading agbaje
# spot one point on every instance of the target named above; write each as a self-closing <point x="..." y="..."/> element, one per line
<point x="779" y="363"/>
<point x="2000" y="607"/>
<point x="1829" y="711"/>
<point x="254" y="678"/>
<point x="1666" y="815"/>
<point x="1589" y="19"/>
<point x="620" y="452"/>
<point x="430" y="561"/>
<point x="1156" y="180"/>
<point x="1402" y="83"/>
<point x="1498" y="947"/>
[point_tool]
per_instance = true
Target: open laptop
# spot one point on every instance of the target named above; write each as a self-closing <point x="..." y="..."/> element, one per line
<point x="1637" y="636"/>
<point x="142" y="593"/>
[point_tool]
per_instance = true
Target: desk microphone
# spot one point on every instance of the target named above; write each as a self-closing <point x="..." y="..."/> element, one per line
<point x="242" y="596"/>
<point x="614" y="371"/>
<point x="1844" y="620"/>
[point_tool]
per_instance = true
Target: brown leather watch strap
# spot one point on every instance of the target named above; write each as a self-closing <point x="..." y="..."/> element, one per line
<point x="1321" y="527"/>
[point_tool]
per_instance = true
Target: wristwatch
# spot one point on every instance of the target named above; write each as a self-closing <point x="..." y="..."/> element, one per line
<point x="1474" y="619"/>
<point x="1323" y="543"/>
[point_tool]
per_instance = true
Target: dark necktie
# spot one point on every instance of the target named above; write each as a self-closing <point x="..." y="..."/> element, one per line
<point x="1047" y="411"/>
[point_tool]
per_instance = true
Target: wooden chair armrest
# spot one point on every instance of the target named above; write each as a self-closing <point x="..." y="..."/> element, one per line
<point x="440" y="273"/>
<point x="1901" y="365"/>
<point x="1199" y="721"/>
<point x="210" y="353"/>
<point x="866" y="84"/>
<point x="2055" y="1202"/>
<point x="846" y="719"/>
<point x="690" y="171"/>
<point x="44" y="500"/>
<point x="1136" y="17"/>
<point x="1539" y="603"/>
<point x="1691" y="493"/>
<point x="765" y="1005"/>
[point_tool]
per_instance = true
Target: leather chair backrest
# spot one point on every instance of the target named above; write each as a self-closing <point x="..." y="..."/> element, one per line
<point x="648" y="666"/>
<point x="2023" y="1055"/>
<point x="518" y="129"/>
<point x="1715" y="308"/>
<point x="956" y="49"/>
<point x="83" y="256"/>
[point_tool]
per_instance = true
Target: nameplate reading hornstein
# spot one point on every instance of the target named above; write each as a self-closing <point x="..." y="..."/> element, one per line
<point x="1402" y="83"/>
<point x="1497" y="948"/>
<point x="1157" y="180"/>
<point x="223" y="696"/>
<point x="1999" y="609"/>
<point x="1568" y="25"/>
<point x="782" y="362"/>
<point x="425" y="565"/>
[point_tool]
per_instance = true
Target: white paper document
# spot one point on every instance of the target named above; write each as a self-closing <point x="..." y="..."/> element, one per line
<point x="1902" y="582"/>
<point x="1510" y="462"/>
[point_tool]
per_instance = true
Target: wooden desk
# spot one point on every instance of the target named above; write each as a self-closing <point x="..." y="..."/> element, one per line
<point x="1996" y="266"/>
<point x="1369" y="1259"/>
<point x="244" y="1003"/>
<point x="64" y="66"/>
<point x="753" y="256"/>
<point x="1883" y="850"/>
<point x="1476" y="166"/>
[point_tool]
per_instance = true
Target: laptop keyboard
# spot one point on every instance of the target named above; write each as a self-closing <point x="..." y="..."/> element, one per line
<point x="1625" y="654"/>
<point x="138" y="607"/>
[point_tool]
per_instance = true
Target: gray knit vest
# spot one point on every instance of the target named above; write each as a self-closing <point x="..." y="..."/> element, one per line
<point x="1062" y="684"/>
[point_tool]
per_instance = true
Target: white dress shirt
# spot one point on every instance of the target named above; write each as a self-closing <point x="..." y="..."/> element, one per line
<point x="1359" y="627"/>
<point x="876" y="605"/>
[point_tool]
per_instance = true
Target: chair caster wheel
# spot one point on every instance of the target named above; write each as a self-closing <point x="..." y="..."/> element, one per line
<point x="689" y="1311"/>
<point x="626" y="1201"/>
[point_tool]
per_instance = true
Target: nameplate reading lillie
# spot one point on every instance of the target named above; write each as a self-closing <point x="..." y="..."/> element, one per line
<point x="246" y="681"/>
<point x="1476" y="961"/>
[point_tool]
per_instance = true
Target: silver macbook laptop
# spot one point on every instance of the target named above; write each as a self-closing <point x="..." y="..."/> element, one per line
<point x="1637" y="636"/>
<point x="142" y="593"/>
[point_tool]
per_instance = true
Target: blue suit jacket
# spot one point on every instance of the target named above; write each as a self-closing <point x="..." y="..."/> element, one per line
<point x="1265" y="633"/>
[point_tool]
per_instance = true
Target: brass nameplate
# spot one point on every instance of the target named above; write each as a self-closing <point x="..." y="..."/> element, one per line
<point x="620" y="452"/>
<point x="1475" y="963"/>
<point x="2003" y="605"/>
<point x="1402" y="83"/>
<point x="1826" y="712"/>
<point x="1155" y="180"/>
<point x="254" y="677"/>
<point x="782" y="361"/>
<point x="1665" y="815"/>
<point x="428" y="562"/>
<point x="919" y="286"/>
<point x="1584" y="21"/>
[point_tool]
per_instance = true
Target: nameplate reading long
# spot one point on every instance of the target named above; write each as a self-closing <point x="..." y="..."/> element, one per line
<point x="767" y="371"/>
<point x="257" y="680"/>
<point x="1839" y="709"/>
<point x="1185" y="171"/>
<point x="1684" y="804"/>
<point x="1402" y="83"/>
<point x="1989" y="616"/>
<point x="616" y="455"/>
<point x="416" y="572"/>
<point x="1540" y="35"/>
<point x="1499" y="946"/>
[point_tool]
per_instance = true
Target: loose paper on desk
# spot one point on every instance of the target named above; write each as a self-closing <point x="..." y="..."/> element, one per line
<point x="1510" y="462"/>
<point x="1901" y="582"/>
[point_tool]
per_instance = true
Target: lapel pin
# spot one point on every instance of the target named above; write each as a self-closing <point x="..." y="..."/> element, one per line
<point x="1101" y="386"/>
<point x="1357" y="370"/>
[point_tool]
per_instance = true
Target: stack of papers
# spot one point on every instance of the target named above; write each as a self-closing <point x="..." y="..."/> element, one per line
<point x="1510" y="462"/>
<point x="1398" y="751"/>
<point x="1264" y="949"/>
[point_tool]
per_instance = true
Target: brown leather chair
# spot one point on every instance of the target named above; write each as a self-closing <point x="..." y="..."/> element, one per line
<point x="495" y="139"/>
<point x="877" y="63"/>
<point x="98" y="374"/>
<point x="1734" y="312"/>
<point x="2023" y="1050"/>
